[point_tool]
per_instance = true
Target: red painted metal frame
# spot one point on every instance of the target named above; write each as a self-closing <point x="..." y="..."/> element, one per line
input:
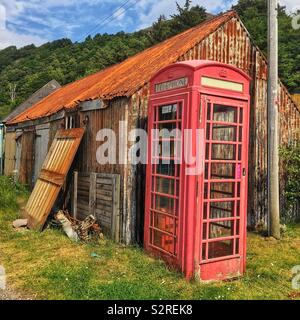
<point x="189" y="202"/>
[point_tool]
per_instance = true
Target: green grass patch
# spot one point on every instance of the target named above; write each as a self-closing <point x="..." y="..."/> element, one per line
<point x="48" y="265"/>
<point x="9" y="193"/>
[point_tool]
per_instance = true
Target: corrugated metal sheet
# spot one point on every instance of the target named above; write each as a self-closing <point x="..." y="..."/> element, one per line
<point x="296" y="98"/>
<point x="52" y="176"/>
<point x="127" y="77"/>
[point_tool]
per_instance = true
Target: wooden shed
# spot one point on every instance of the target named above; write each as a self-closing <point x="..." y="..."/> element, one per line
<point x="120" y="93"/>
<point x="34" y="151"/>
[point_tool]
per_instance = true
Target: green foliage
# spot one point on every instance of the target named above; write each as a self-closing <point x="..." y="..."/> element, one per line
<point x="291" y="160"/>
<point x="254" y="15"/>
<point x="9" y="193"/>
<point x="186" y="17"/>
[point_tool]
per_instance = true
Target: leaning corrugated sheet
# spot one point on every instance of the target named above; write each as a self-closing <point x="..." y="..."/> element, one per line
<point x="125" y="78"/>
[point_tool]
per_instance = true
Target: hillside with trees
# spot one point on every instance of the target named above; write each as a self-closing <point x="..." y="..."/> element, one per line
<point x="25" y="70"/>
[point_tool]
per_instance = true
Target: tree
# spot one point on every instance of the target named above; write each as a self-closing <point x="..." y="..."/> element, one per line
<point x="187" y="17"/>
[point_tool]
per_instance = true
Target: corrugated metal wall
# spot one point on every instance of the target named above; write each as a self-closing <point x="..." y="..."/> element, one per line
<point x="231" y="44"/>
<point x="109" y="118"/>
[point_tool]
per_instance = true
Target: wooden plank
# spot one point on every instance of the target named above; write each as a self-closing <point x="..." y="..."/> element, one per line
<point x="116" y="209"/>
<point x="53" y="174"/>
<point x="52" y="177"/>
<point x="75" y="194"/>
<point x="92" y="202"/>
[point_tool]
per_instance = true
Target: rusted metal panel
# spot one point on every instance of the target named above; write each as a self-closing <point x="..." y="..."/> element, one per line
<point x="126" y="78"/>
<point x="52" y="176"/>
<point x="296" y="98"/>
<point x="10" y="153"/>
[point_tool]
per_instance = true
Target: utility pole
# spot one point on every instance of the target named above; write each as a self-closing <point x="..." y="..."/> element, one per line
<point x="273" y="136"/>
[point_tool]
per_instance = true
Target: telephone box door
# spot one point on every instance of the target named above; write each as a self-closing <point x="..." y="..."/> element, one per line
<point x="224" y="207"/>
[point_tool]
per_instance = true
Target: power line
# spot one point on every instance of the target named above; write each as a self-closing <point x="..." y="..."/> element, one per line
<point x="104" y="21"/>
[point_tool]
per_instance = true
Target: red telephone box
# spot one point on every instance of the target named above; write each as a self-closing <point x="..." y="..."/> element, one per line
<point x="195" y="217"/>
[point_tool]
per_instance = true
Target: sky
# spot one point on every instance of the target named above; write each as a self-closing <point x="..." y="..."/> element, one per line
<point x="23" y="22"/>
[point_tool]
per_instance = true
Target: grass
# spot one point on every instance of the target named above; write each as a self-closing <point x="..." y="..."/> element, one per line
<point x="49" y="266"/>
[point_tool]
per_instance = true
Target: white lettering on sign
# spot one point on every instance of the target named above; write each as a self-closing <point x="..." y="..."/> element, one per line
<point x="174" y="84"/>
<point x="169" y="109"/>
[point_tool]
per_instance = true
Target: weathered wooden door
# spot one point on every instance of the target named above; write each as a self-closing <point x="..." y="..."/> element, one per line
<point x="27" y="158"/>
<point x="10" y="153"/>
<point x="41" y="150"/>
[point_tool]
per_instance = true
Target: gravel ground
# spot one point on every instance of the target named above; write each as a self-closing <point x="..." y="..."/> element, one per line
<point x="9" y="294"/>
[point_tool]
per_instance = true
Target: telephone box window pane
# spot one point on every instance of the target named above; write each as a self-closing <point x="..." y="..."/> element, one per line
<point x="206" y="171"/>
<point x="240" y="134"/>
<point x="223" y="151"/>
<point x="237" y="246"/>
<point x="204" y="231"/>
<point x="167" y="112"/>
<point x="165" y="129"/>
<point x="224" y="133"/>
<point x="220" y="249"/>
<point x="208" y="132"/>
<point x="221" y="229"/>
<point x="165" y="186"/>
<point x="225" y="113"/>
<point x="164" y="223"/>
<point x="207" y="151"/>
<point x="164" y="204"/>
<point x="219" y="210"/>
<point x="222" y="170"/>
<point x="205" y="211"/>
<point x="219" y="190"/>
<point x="241" y="115"/>
<point x="166" y="169"/>
<point x="238" y="208"/>
<point x="208" y="111"/>
<point x="205" y="190"/>
<point x="169" y="149"/>
<point x="237" y="227"/>
<point x="164" y="241"/>
<point x="240" y="153"/>
<point x="204" y="252"/>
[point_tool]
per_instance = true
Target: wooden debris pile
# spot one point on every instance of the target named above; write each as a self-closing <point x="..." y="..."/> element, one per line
<point x="76" y="230"/>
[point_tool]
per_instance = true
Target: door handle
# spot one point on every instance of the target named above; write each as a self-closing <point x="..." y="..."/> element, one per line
<point x="244" y="172"/>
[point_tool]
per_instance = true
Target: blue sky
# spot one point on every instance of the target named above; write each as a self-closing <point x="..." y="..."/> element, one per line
<point x="37" y="21"/>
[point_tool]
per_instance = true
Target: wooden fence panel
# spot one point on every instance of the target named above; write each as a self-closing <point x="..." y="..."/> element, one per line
<point x="98" y="194"/>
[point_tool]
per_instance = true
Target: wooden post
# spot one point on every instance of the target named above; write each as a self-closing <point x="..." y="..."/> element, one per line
<point x="75" y="194"/>
<point x="116" y="209"/>
<point x="92" y="199"/>
<point x="273" y="136"/>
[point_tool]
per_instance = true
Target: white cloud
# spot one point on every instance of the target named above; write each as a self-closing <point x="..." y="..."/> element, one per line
<point x="9" y="38"/>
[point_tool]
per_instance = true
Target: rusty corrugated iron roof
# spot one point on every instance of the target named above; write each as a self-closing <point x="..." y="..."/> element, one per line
<point x="126" y="78"/>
